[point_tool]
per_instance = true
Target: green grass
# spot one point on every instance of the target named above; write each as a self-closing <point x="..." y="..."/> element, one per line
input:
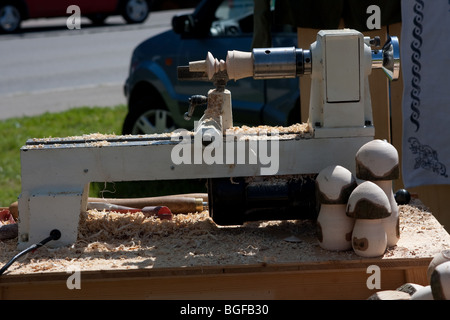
<point x="15" y="132"/>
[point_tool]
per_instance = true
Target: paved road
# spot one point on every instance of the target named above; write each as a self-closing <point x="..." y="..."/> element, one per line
<point x="48" y="67"/>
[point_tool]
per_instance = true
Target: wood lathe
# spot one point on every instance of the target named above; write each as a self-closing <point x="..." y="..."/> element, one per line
<point x="265" y="173"/>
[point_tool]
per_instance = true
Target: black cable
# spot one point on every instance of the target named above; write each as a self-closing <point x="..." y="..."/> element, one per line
<point x="54" y="235"/>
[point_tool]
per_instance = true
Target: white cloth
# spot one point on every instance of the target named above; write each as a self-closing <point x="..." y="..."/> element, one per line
<point x="425" y="64"/>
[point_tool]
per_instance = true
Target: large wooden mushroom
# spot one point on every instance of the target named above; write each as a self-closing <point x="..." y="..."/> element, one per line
<point x="334" y="185"/>
<point x="377" y="161"/>
<point x="440" y="282"/>
<point x="439" y="258"/>
<point x="368" y="204"/>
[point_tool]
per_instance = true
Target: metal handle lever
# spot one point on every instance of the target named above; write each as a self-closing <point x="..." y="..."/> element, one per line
<point x="195" y="100"/>
<point x="388" y="58"/>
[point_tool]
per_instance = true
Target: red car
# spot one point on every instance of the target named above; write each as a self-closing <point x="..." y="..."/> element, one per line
<point x="13" y="12"/>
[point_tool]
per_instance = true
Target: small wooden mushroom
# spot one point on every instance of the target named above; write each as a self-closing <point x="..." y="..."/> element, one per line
<point x="404" y="292"/>
<point x="334" y="185"/>
<point x="441" y="257"/>
<point x="410" y="288"/>
<point x="390" y="295"/>
<point x="423" y="293"/>
<point x="440" y="282"/>
<point x="377" y="161"/>
<point x="368" y="204"/>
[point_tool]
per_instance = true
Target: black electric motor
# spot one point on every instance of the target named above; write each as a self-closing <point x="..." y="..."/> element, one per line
<point x="233" y="201"/>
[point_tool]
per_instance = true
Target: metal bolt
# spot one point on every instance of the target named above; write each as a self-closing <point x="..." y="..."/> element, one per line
<point x="376" y="41"/>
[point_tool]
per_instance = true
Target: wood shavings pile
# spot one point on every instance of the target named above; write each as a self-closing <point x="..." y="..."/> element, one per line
<point x="85" y="137"/>
<point x="103" y="143"/>
<point x="300" y="130"/>
<point x="131" y="241"/>
<point x="295" y="131"/>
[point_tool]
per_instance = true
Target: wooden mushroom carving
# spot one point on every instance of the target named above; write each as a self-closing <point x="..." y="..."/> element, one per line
<point x="334" y="185"/>
<point x="377" y="161"/>
<point x="368" y="204"/>
<point x="441" y="257"/>
<point x="440" y="282"/>
<point x="423" y="293"/>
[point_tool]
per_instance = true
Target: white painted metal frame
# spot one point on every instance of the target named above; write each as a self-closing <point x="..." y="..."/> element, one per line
<point x="56" y="177"/>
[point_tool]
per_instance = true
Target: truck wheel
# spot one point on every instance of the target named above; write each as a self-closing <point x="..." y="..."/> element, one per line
<point x="147" y="117"/>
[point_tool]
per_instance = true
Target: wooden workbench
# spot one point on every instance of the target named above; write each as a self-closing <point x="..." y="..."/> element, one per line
<point x="326" y="280"/>
<point x="130" y="257"/>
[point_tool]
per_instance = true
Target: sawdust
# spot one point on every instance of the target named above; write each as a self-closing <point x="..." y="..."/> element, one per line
<point x="85" y="137"/>
<point x="300" y="130"/>
<point x="131" y="241"/>
<point x="102" y="143"/>
<point x="295" y="131"/>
